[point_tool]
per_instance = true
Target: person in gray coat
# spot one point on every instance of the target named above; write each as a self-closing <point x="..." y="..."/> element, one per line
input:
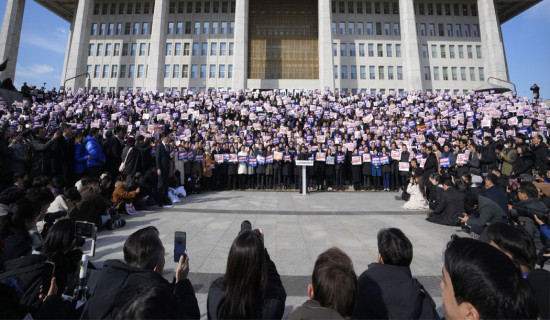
<point x="480" y="211"/>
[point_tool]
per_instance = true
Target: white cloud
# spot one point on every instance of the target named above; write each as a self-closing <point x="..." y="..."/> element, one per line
<point x="35" y="71"/>
<point x="62" y="31"/>
<point x="57" y="46"/>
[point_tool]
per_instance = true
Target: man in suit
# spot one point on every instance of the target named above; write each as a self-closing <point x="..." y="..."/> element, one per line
<point x="495" y="192"/>
<point x="449" y="206"/>
<point x="163" y="170"/>
<point x="480" y="211"/>
<point x="114" y="151"/>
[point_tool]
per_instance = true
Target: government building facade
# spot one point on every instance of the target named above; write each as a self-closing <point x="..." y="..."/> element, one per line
<point x="351" y="45"/>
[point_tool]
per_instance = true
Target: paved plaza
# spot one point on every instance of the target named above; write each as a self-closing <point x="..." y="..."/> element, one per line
<point x="296" y="229"/>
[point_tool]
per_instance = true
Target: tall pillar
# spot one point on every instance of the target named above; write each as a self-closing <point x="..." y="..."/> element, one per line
<point x="491" y="41"/>
<point x="326" y="59"/>
<point x="409" y="42"/>
<point x="9" y="36"/>
<point x="240" y="59"/>
<point x="76" y="63"/>
<point x="67" y="50"/>
<point x="155" y="62"/>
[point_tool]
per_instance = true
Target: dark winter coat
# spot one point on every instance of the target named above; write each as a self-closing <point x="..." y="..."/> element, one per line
<point x="449" y="206"/>
<point x="312" y="309"/>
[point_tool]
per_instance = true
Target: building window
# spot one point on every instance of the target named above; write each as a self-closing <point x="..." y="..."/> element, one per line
<point x="197" y="29"/>
<point x="212" y="73"/>
<point x="441" y="29"/>
<point x="344" y="72"/>
<point x="434" y="51"/>
<point x="213" y="48"/>
<point x="423" y="29"/>
<point x="231" y="27"/>
<point x="443" y="52"/>
<point x="478" y="52"/>
<point x="379" y="49"/>
<point x="372" y="74"/>
<point x="179" y="28"/>
<point x="343" y="49"/>
<point x="481" y="74"/>
<point x="396" y="29"/>
<point x="371" y="50"/>
<point x="452" y="51"/>
<point x="350" y="7"/>
<point x="166" y="71"/>
<point x="140" y="71"/>
<point x="215" y="27"/>
<point x="94" y="29"/>
<point x="229" y="71"/>
<point x="467" y="30"/>
<point x="476" y="30"/>
<point x="136" y="29"/>
<point x="142" y="49"/>
<point x="177" y="49"/>
<point x="123" y="71"/>
<point x="223" y="29"/>
<point x="342" y="28"/>
<point x="185" y="71"/>
<point x="427" y="75"/>
<point x="102" y="29"/>
<point x="117" y="49"/>
<point x="207" y="7"/>
<point x="99" y="49"/>
<point x="97" y="70"/>
<point x="399" y="73"/>
<point x="335" y="72"/>
<point x="379" y="28"/>
<point x="121" y="8"/>
<point x="203" y="71"/>
<point x="461" y="51"/>
<point x="114" y="71"/>
<point x="221" y="71"/>
<point x="360" y="28"/>
<point x="108" y="47"/>
<point x="360" y="7"/>
<point x="458" y="30"/>
<point x="231" y="48"/>
<point x="449" y="30"/>
<point x="352" y="49"/>
<point x="436" y="73"/>
<point x="469" y="50"/>
<point x="445" y="73"/>
<point x="206" y="28"/>
<point x="369" y="28"/>
<point x="118" y="29"/>
<point x="432" y="29"/>
<point x="198" y="7"/>
<point x="463" y="73"/>
<point x="387" y="29"/>
<point x="222" y="48"/>
<point x="91" y="50"/>
<point x="353" y="72"/>
<point x="195" y="49"/>
<point x="381" y="73"/>
<point x="398" y="50"/>
<point x="186" y="49"/>
<point x="194" y="71"/>
<point x="454" y="73"/>
<point x="472" y="74"/>
<point x="390" y="73"/>
<point x="129" y="8"/>
<point x="351" y="28"/>
<point x="424" y="51"/>
<point x="131" y="71"/>
<point x="361" y="49"/>
<point x="124" y="49"/>
<point x="111" y="29"/>
<point x="335" y="49"/>
<point x="363" y="72"/>
<point x="204" y="49"/>
<point x="388" y="51"/>
<point x="168" y="49"/>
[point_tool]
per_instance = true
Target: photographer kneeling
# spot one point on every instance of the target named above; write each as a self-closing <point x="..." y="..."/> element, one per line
<point x="524" y="212"/>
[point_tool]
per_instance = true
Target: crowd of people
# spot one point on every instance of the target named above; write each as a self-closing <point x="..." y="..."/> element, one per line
<point x="479" y="161"/>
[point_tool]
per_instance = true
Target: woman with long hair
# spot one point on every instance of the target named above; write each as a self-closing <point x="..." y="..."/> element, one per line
<point x="417" y="191"/>
<point x="251" y="287"/>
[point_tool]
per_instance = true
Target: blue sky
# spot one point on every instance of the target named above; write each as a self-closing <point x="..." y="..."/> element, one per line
<point x="44" y="39"/>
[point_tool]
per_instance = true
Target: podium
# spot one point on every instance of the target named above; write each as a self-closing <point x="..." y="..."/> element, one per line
<point x="304" y="164"/>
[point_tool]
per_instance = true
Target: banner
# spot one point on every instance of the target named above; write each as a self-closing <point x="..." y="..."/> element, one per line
<point x="444" y="162"/>
<point x="366" y="157"/>
<point x="356" y="160"/>
<point x="340" y="158"/>
<point x="403" y="166"/>
<point x="261" y="159"/>
<point x="320" y="156"/>
<point x="243" y="159"/>
<point x="269" y="159"/>
<point x="233" y="157"/>
<point x="385" y="160"/>
<point x="396" y="155"/>
<point x="277" y="156"/>
<point x="252" y="162"/>
<point x="330" y="160"/>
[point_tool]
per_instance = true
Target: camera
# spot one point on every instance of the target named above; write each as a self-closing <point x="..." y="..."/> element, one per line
<point x="519" y="211"/>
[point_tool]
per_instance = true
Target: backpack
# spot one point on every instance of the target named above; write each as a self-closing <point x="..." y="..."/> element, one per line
<point x="26" y="273"/>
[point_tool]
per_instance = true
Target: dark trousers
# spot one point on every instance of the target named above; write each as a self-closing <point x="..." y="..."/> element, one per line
<point x="162" y="189"/>
<point x="260" y="179"/>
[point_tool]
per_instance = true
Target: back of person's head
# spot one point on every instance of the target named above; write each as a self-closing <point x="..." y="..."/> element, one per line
<point x="10" y="195"/>
<point x="484" y="278"/>
<point x="88" y="182"/>
<point x="150" y="302"/>
<point x="60" y="238"/>
<point x="41" y="181"/>
<point x="21" y="214"/>
<point x="448" y="182"/>
<point x="43" y="196"/>
<point x="143" y="249"/>
<point x="245" y="278"/>
<point x="394" y="247"/>
<point x="58" y="182"/>
<point x="529" y="189"/>
<point x="513" y="241"/>
<point x="471" y="200"/>
<point x="334" y="281"/>
<point x="93" y="132"/>
<point x="72" y="194"/>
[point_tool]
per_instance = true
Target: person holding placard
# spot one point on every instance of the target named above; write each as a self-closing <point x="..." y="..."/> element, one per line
<point x="251" y="168"/>
<point x="356" y="170"/>
<point x="339" y="168"/>
<point x="386" y="168"/>
<point x="277" y="166"/>
<point x="260" y="169"/>
<point x="232" y="169"/>
<point x="376" y="170"/>
<point x="242" y="169"/>
<point x="330" y="171"/>
<point x="367" y="169"/>
<point x="287" y="167"/>
<point x="404" y="158"/>
<point x="320" y="168"/>
<point x="269" y="168"/>
<point x="207" y="166"/>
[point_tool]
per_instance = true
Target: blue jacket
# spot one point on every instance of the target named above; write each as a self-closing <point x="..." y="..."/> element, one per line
<point x="80" y="158"/>
<point x="94" y="150"/>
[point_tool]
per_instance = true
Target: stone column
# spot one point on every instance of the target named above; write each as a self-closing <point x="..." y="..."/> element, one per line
<point x="326" y="59"/>
<point x="67" y="50"/>
<point x="9" y="36"/>
<point x="155" y="62"/>
<point x="240" y="59"/>
<point x="412" y="74"/>
<point x="80" y="35"/>
<point x="491" y="40"/>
